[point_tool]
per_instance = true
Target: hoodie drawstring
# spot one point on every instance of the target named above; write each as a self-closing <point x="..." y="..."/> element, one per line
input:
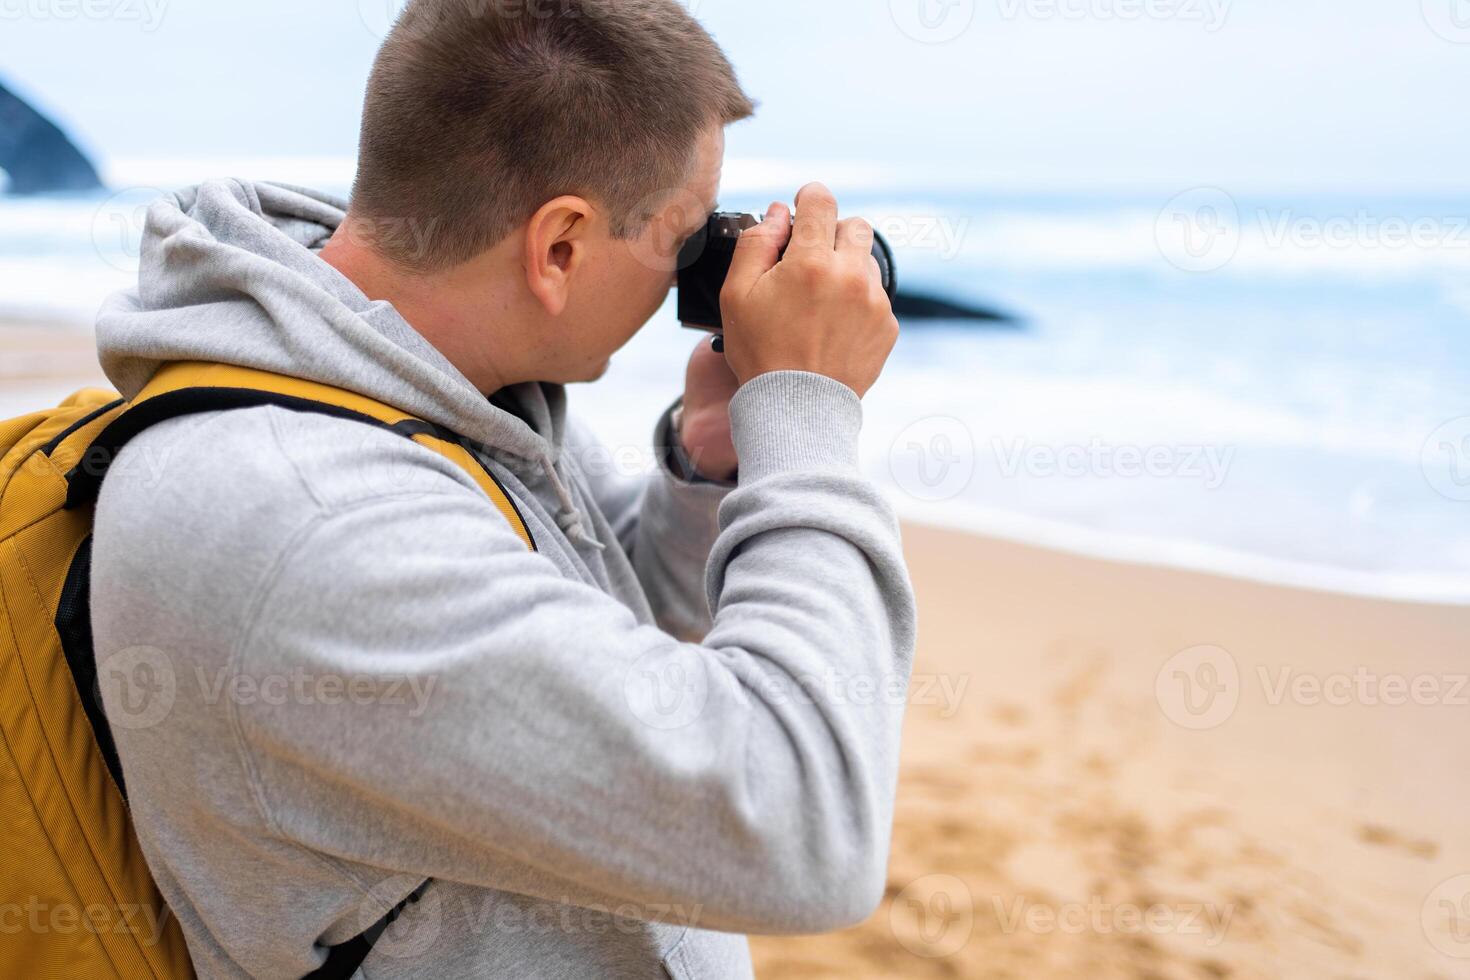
<point x="569" y="518"/>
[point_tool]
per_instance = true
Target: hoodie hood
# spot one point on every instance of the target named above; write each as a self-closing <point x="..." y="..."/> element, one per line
<point x="229" y="274"/>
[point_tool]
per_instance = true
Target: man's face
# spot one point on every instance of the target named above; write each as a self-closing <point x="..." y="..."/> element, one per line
<point x="628" y="280"/>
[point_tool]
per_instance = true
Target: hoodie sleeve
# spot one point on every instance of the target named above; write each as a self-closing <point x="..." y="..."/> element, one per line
<point x="544" y="742"/>
<point x="665" y="524"/>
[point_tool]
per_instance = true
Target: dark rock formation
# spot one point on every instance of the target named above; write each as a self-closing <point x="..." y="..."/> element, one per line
<point x="36" y="155"/>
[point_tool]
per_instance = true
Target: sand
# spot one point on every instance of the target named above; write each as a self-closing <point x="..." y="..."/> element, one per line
<point x="1068" y="816"/>
<point x="37" y="355"/>
<point x="1068" y="809"/>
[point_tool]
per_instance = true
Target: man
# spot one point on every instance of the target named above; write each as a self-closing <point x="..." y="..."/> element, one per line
<point x="586" y="793"/>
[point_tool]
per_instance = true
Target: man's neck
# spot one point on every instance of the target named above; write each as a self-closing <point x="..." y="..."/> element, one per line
<point x="433" y="304"/>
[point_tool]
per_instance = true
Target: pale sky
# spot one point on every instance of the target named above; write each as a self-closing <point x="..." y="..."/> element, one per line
<point x="1354" y="95"/>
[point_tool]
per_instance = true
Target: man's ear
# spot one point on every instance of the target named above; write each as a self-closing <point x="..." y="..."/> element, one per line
<point x="556" y="247"/>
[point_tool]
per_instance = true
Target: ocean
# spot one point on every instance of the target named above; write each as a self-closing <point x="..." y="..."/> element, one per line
<point x="1270" y="387"/>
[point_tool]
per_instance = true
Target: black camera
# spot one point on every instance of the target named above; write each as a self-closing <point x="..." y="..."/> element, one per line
<point x="705" y="259"/>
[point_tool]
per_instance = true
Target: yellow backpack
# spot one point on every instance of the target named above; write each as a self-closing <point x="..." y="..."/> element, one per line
<point x="76" y="898"/>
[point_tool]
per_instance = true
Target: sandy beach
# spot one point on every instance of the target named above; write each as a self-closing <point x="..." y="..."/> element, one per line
<point x="1078" y="812"/>
<point x="1115" y="770"/>
<point x="40" y="355"/>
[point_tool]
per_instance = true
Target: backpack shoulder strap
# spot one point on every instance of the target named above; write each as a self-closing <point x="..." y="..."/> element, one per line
<point x="191" y="388"/>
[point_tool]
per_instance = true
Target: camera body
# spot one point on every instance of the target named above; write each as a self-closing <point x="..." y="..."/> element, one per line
<point x="705" y="259"/>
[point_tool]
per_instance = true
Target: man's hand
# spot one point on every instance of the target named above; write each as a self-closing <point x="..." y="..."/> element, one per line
<point x="820" y="308"/>
<point x="704" y="431"/>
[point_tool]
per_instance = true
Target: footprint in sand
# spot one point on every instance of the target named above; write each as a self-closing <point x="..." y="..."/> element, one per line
<point x="1380" y="836"/>
<point x="1011" y="715"/>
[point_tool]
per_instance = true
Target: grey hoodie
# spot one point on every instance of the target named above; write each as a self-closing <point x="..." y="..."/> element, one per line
<point x="334" y="672"/>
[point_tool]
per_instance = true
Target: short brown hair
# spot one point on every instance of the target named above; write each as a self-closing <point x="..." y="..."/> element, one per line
<point x="480" y="111"/>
